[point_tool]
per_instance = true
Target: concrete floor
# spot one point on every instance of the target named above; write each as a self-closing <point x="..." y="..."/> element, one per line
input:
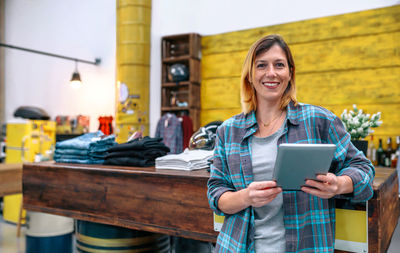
<point x="395" y="243"/>
<point x="10" y="243"/>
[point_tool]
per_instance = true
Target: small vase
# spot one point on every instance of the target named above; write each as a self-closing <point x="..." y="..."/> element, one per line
<point x="361" y="145"/>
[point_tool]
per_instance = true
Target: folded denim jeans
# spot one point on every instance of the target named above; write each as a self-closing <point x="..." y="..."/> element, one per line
<point x="81" y="161"/>
<point x="88" y="141"/>
<point x="80" y="157"/>
<point x="70" y="151"/>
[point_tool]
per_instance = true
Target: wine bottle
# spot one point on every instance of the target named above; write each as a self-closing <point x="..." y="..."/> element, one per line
<point x="388" y="153"/>
<point x="380" y="154"/>
<point x="397" y="153"/>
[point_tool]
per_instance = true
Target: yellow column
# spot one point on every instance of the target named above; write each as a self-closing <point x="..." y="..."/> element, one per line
<point x="133" y="67"/>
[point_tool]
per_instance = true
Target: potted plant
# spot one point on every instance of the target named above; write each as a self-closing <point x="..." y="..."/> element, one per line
<point x="359" y="126"/>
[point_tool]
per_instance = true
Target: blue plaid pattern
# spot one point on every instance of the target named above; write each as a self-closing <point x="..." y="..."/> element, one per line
<point x="309" y="220"/>
<point x="170" y="129"/>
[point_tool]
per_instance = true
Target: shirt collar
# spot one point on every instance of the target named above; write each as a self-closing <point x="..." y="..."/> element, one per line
<point x="292" y="112"/>
<point x="250" y="121"/>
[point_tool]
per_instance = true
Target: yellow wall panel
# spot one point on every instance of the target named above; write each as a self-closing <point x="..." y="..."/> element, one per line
<point x="370" y="51"/>
<point x="222" y="65"/>
<point x="340" y="60"/>
<point x="348" y="25"/>
<point x="217" y="114"/>
<point x="373" y="51"/>
<point x="369" y="86"/>
<point x="228" y="90"/>
<point x="390" y="115"/>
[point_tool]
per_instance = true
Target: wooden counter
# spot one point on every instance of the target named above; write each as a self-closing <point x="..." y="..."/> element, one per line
<point x="383" y="210"/>
<point x="10" y="179"/>
<point x="165" y="201"/>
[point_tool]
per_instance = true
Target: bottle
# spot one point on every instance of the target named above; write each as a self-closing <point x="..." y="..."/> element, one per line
<point x="388" y="153"/>
<point x="371" y="153"/>
<point x="393" y="160"/>
<point x="396" y="157"/>
<point x="380" y="154"/>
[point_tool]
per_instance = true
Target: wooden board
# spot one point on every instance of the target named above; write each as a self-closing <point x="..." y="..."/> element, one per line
<point x="382" y="20"/>
<point x="383" y="210"/>
<point x="342" y="54"/>
<point x="10" y="179"/>
<point x="161" y="201"/>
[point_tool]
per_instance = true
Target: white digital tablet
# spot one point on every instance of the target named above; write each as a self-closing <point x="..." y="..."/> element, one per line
<point x="297" y="162"/>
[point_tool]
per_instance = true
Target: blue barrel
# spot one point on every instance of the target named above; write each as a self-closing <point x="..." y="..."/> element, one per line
<point x="96" y="237"/>
<point x="47" y="233"/>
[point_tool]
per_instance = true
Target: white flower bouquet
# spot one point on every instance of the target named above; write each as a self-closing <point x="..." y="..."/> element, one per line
<point x="359" y="124"/>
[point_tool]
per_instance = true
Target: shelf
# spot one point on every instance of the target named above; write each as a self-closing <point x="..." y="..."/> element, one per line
<point x="174" y="108"/>
<point x="174" y="59"/>
<point x="193" y="67"/>
<point x="173" y="85"/>
<point x="186" y="45"/>
<point x="183" y="49"/>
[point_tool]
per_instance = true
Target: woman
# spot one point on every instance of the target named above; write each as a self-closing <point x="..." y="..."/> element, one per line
<point x="259" y="216"/>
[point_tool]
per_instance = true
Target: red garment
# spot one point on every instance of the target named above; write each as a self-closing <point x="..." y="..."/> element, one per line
<point x="105" y="124"/>
<point x="187" y="130"/>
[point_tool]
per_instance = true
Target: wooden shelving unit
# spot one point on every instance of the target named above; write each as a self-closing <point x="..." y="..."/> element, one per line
<point x="181" y="97"/>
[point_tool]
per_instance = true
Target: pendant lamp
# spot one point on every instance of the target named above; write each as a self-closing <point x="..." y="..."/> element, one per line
<point x="76" y="82"/>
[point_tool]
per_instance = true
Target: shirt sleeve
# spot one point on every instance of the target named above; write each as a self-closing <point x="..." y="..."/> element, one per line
<point x="351" y="162"/>
<point x="219" y="181"/>
<point x="158" y="129"/>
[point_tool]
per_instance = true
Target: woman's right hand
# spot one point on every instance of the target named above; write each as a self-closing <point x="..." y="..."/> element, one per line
<point x="261" y="193"/>
<point x="256" y="194"/>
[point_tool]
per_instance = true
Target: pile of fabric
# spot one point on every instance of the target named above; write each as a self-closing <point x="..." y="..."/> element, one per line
<point x="188" y="160"/>
<point x="137" y="152"/>
<point x="90" y="148"/>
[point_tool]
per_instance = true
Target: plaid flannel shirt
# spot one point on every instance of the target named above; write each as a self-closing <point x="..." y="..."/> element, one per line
<point x="309" y="220"/>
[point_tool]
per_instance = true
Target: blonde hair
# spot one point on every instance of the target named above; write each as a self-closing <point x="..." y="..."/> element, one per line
<point x="247" y="92"/>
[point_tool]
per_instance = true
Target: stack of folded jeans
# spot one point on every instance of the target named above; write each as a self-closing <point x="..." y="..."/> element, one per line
<point x="90" y="148"/>
<point x="138" y="152"/>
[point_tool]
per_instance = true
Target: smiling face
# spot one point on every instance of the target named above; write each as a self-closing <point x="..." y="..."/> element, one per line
<point x="271" y="75"/>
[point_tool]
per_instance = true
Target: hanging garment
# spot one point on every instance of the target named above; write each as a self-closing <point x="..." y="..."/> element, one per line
<point x="170" y="129"/>
<point x="187" y="130"/>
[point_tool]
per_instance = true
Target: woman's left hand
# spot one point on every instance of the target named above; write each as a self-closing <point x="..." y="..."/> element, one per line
<point x="329" y="185"/>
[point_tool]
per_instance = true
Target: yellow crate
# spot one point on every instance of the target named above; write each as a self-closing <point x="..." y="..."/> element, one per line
<point x="23" y="142"/>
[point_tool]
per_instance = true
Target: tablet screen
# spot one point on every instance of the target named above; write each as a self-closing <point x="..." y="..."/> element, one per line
<point x="297" y="162"/>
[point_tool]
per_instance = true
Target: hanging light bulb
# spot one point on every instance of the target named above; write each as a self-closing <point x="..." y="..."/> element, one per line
<point x="76" y="78"/>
